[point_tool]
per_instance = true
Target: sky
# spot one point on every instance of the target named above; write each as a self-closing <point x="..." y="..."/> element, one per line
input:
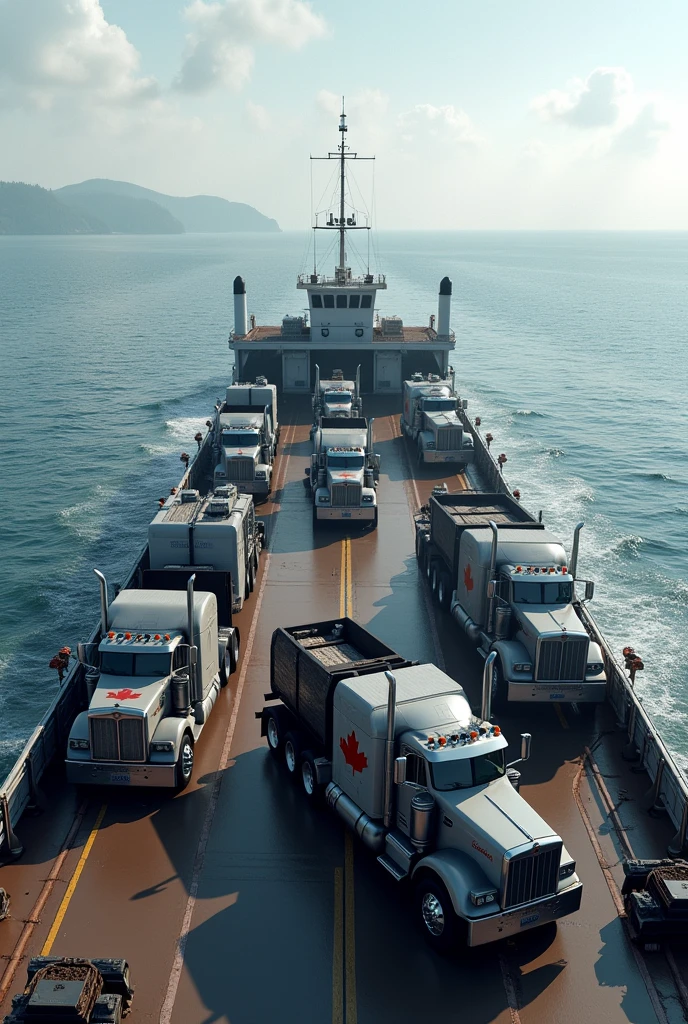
<point x="482" y="114"/>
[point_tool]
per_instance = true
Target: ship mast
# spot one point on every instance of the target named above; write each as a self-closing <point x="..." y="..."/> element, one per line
<point x="342" y="173"/>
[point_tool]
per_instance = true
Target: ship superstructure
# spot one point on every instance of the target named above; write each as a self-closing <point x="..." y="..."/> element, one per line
<point x="342" y="323"/>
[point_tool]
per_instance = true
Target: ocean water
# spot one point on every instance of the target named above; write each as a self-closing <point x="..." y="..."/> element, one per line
<point x="570" y="346"/>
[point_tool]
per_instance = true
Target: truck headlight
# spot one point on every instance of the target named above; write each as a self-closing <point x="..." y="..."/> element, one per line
<point x="79" y="745"/>
<point x="430" y="446"/>
<point x="594" y="668"/>
<point x="480" y="897"/>
<point x="524" y="666"/>
<point x="260" y="474"/>
<point x="467" y="442"/>
<point x="368" y="497"/>
<point x="324" y="498"/>
<point x="162" y="747"/>
<point x="566" y="870"/>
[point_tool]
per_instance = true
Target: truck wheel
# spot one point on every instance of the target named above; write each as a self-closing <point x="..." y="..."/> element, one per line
<point x="429" y="563"/>
<point x="315" y="518"/>
<point x="234" y="650"/>
<point x="435" y="914"/>
<point x="185" y="763"/>
<point x="435" y="580"/>
<point x="226" y="666"/>
<point x="499" y="692"/>
<point x="292" y="753"/>
<point x="444" y="590"/>
<point x="309" y="776"/>
<point x="273" y="731"/>
<point x="251" y="575"/>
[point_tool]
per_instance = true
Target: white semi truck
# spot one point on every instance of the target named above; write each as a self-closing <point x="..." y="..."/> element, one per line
<point x="219" y="531"/>
<point x="344" y="471"/>
<point x="246" y="437"/>
<point x="395" y="750"/>
<point x="336" y="397"/>
<point x="163" y="655"/>
<point x="508" y="584"/>
<point x="430" y="419"/>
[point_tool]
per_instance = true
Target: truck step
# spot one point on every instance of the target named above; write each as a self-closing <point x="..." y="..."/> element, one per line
<point x="394" y="869"/>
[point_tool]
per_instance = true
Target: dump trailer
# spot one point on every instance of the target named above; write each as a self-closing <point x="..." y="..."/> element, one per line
<point x="219" y="531"/>
<point x="246" y="433"/>
<point x="508" y="584"/>
<point x="344" y="471"/>
<point x="165" y="651"/>
<point x="336" y="398"/>
<point x="393" y="747"/>
<point x="85" y="991"/>
<point x="430" y="419"/>
<point x="656" y="901"/>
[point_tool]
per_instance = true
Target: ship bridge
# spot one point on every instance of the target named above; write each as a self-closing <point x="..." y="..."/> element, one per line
<point x="341" y="323"/>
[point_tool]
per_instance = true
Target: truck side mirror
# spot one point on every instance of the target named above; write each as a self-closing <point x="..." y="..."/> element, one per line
<point x="399" y="770"/>
<point x="526" y="740"/>
<point x="589" y="590"/>
<point x="490" y="589"/>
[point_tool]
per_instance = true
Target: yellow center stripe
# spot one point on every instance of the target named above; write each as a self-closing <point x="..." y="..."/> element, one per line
<point x="346" y="595"/>
<point x="52" y="934"/>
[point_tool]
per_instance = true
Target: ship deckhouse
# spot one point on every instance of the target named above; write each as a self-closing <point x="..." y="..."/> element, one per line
<point x="342" y="324"/>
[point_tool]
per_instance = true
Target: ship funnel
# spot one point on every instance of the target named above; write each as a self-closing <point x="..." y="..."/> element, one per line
<point x="104" y="617"/>
<point x="444" y="308"/>
<point x="240" y="310"/>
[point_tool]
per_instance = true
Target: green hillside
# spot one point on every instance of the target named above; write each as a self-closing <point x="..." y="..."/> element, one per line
<point x="125" y="215"/>
<point x="32" y="210"/>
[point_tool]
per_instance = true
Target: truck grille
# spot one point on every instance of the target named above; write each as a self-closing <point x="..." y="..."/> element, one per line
<point x="563" y="660"/>
<point x="449" y="439"/>
<point x="346" y="494"/>
<point x="532" y="876"/>
<point x="113" y="740"/>
<point x="240" y="469"/>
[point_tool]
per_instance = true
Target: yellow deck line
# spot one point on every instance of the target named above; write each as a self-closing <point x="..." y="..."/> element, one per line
<point x="66" y="899"/>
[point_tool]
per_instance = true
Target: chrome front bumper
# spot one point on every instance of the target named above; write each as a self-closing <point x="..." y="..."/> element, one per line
<point x="114" y="773"/>
<point x="259" y="487"/>
<point x="522" y="919"/>
<point x="566" y="693"/>
<point x="363" y="512"/>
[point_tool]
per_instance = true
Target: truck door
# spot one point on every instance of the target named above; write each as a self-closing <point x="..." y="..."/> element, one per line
<point x="416" y="779"/>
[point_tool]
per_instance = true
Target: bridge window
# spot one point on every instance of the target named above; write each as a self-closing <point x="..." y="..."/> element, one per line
<point x="366" y="301"/>
<point x="341" y="302"/>
<point x="316" y="301"/>
<point x="354" y="301"/>
<point x="328" y="301"/>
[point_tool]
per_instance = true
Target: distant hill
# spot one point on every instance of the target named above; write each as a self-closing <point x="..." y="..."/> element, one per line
<point x="32" y="210"/>
<point x="196" y="213"/>
<point x="125" y="215"/>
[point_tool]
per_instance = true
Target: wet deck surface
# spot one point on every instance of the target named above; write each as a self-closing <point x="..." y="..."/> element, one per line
<point x="284" y="918"/>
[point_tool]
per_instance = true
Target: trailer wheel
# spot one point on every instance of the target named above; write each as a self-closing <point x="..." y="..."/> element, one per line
<point x="309" y="776"/>
<point x="435" y="580"/>
<point x="435" y="914"/>
<point x="274" y="731"/>
<point x="292" y="752"/>
<point x="185" y="763"/>
<point x="444" y="590"/>
<point x="429" y="563"/>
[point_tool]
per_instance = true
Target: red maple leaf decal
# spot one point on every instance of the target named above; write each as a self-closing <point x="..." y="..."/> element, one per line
<point x="468" y="580"/>
<point x="352" y="755"/>
<point x="123" y="694"/>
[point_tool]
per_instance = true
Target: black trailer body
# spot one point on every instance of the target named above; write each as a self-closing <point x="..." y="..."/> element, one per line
<point x="348" y="423"/>
<point x="208" y="581"/>
<point x="307" y="662"/>
<point x="451" y="514"/>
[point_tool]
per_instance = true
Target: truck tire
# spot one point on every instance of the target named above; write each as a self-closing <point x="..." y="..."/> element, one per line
<point x="435" y="914"/>
<point x="292" y="753"/>
<point x="309" y="776"/>
<point x="274" y="730"/>
<point x="315" y="518"/>
<point x="226" y="666"/>
<point x="251" y="576"/>
<point x="435" y="580"/>
<point x="444" y="590"/>
<point x="234" y="647"/>
<point x="499" y="689"/>
<point x="429" y="563"/>
<point x="185" y="763"/>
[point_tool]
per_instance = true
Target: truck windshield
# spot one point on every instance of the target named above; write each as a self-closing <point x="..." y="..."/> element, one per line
<point x="438" y="404"/>
<point x="345" y="461"/>
<point x="338" y="396"/>
<point x="467" y="772"/>
<point x="536" y="591"/>
<point x="130" y="663"/>
<point x="240" y="439"/>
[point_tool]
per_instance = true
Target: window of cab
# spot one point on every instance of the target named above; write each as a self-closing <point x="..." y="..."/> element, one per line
<point x="366" y="301"/>
<point x="341" y="301"/>
<point x="328" y="301"/>
<point x="354" y="301"/>
<point x="316" y="301"/>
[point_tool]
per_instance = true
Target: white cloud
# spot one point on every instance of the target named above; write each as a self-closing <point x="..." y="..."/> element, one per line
<point x="225" y="33"/>
<point x="446" y="123"/>
<point x="592" y="103"/>
<point x="259" y="117"/>
<point x="53" y="50"/>
<point x="642" y="136"/>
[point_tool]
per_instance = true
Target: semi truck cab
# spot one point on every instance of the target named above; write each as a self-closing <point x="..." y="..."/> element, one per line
<point x="245" y="456"/>
<point x="344" y="471"/>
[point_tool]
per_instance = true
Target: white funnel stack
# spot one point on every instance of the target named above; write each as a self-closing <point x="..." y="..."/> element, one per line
<point x="444" y="308"/>
<point x="240" y="310"/>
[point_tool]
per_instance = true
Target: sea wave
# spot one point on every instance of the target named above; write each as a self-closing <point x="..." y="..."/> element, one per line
<point x="530" y="412"/>
<point x="84" y="519"/>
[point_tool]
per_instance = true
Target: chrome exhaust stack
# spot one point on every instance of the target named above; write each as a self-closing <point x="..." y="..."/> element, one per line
<point x="491" y="581"/>
<point x="573" y="564"/>
<point x="193" y="650"/>
<point x="104" y="616"/>
<point x="486" y="705"/>
<point x="389" y="748"/>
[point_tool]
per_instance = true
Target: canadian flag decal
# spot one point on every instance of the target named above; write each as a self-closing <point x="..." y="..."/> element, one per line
<point x="123" y="694"/>
<point x="467" y="578"/>
<point x="352" y="755"/>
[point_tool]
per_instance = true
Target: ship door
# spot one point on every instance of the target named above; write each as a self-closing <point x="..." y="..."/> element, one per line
<point x="296" y="372"/>
<point x="416" y="779"/>
<point x="387" y="372"/>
